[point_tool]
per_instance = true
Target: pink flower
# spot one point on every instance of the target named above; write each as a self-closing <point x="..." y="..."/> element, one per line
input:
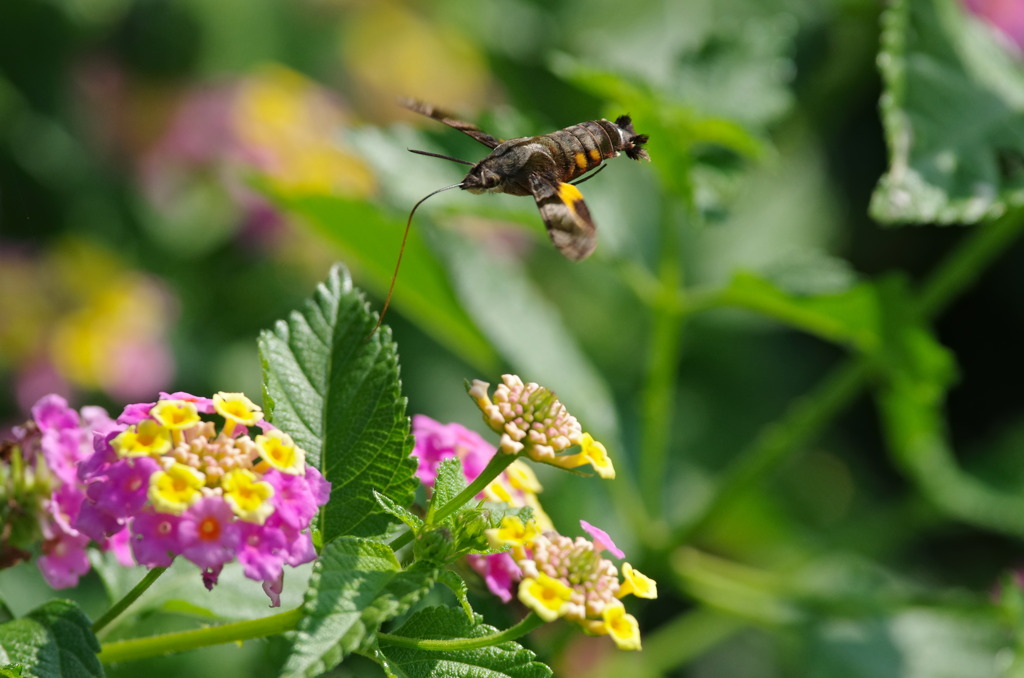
<point x="273" y="588"/>
<point x="261" y="551"/>
<point x="436" y="441"/>
<point x="203" y="404"/>
<point x="52" y="413"/>
<point x="53" y="451"/>
<point x="293" y="500"/>
<point x="499" y="571"/>
<point x="64" y="560"/>
<point x="134" y="413"/>
<point x="124" y="492"/>
<point x="1006" y="15"/>
<point x="208" y="532"/>
<point x="155" y="538"/>
<point x="601" y="540"/>
<point x="183" y="476"/>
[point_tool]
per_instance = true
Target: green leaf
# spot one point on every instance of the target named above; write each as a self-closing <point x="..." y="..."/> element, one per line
<point x="457" y="585"/>
<point x="405" y="515"/>
<point x="506" y="660"/>
<point x="678" y="129"/>
<point x="357" y="584"/>
<point x="953" y="111"/>
<point x="53" y="641"/>
<point x="848" y="317"/>
<point x="180" y="591"/>
<point x="912" y="643"/>
<point x="450" y="481"/>
<point x="918" y="372"/>
<point x="336" y="390"/>
<point x="371" y="239"/>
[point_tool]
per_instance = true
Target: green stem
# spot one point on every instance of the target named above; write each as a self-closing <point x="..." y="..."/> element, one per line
<point x="664" y="352"/>
<point x="498" y="463"/>
<point x="960" y="269"/>
<point x="528" y="623"/>
<point x="809" y="415"/>
<point x="120" y="606"/>
<point x="776" y="443"/>
<point x="168" y="643"/>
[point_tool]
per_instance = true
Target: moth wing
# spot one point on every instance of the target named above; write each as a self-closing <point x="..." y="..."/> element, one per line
<point x="566" y="216"/>
<point x="467" y="128"/>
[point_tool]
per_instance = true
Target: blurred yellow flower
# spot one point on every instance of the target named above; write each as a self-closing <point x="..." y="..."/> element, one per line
<point x="292" y="128"/>
<point x="392" y="51"/>
<point x="80" y="316"/>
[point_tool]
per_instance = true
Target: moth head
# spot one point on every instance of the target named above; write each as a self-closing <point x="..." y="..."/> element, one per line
<point x="482" y="178"/>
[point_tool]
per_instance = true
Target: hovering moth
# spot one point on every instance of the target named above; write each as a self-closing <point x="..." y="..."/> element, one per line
<point x="548" y="167"/>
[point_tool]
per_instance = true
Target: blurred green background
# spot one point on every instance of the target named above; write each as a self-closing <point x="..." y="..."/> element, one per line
<point x="177" y="175"/>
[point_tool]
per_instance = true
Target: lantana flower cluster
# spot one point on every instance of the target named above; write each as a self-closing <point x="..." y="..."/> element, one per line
<point x="185" y="476"/>
<point x="568" y="578"/>
<point x="40" y="492"/>
<point x="516" y="486"/>
<point x="554" y="575"/>
<point x="533" y="423"/>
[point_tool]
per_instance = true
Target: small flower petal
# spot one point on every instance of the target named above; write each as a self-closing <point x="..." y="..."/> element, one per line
<point x="598" y="457"/>
<point x="637" y="583"/>
<point x="545" y="595"/>
<point x="145" y="439"/>
<point x="279" y="450"/>
<point x="601" y="540"/>
<point x="177" y="488"/>
<point x="248" y="497"/>
<point x="622" y="627"/>
<point x="209" y="535"/>
<point x="176" y="415"/>
<point x="236" y="407"/>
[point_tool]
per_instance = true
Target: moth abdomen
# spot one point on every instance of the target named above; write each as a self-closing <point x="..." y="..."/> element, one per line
<point x="579" y="148"/>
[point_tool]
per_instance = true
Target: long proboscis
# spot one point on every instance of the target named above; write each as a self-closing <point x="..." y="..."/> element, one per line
<point x="401" y="251"/>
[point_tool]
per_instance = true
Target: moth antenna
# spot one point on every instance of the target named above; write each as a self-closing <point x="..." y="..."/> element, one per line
<point x="401" y="251"/>
<point x="438" y="155"/>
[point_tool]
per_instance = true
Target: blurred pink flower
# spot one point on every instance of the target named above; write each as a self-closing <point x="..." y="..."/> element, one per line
<point x="1005" y="15"/>
<point x="77" y="317"/>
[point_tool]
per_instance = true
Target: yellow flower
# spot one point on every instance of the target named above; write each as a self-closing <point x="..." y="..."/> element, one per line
<point x="177" y="488"/>
<point x="622" y="627"/>
<point x="545" y="595"/>
<point x="248" y="498"/>
<point x="279" y="451"/>
<point x="176" y="415"/>
<point x="597" y="455"/>
<point x="293" y="123"/>
<point x="591" y="452"/>
<point x="522" y="477"/>
<point x="637" y="583"/>
<point x="514" y="533"/>
<point x="498" y="491"/>
<point x="236" y="409"/>
<point x="147" y="439"/>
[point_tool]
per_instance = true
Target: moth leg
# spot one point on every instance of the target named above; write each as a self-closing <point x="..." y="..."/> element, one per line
<point x="587" y="176"/>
